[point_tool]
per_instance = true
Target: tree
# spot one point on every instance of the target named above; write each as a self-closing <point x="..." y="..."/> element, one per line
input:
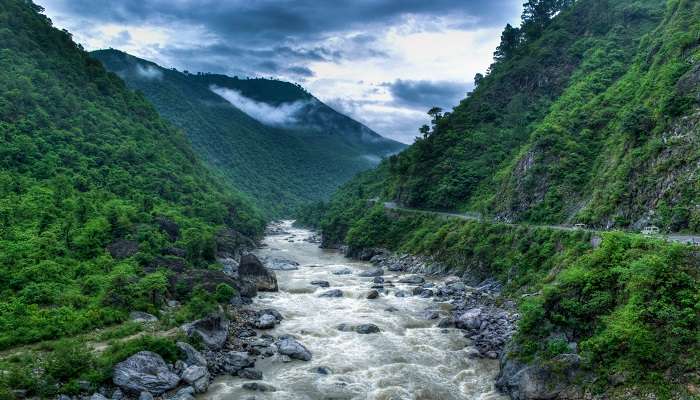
<point x="436" y="114"/>
<point x="478" y="78"/>
<point x="538" y="13"/>
<point x="510" y="41"/>
<point x="424" y="130"/>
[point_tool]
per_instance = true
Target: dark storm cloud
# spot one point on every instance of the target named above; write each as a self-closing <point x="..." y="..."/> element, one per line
<point x="426" y="94"/>
<point x="269" y="20"/>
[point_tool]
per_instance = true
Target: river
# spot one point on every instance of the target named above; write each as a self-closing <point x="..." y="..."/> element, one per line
<point x="409" y="359"/>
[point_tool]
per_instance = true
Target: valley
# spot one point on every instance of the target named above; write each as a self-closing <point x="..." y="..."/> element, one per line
<point x="246" y="232"/>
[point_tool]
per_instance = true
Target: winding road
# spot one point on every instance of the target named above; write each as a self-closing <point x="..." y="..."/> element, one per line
<point x="474" y="216"/>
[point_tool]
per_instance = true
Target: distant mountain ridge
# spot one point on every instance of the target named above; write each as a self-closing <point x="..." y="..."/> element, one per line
<point x="272" y="139"/>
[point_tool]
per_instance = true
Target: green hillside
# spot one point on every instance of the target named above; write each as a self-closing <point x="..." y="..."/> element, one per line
<point x="588" y="120"/>
<point x="588" y="114"/>
<point x="303" y="158"/>
<point x="98" y="196"/>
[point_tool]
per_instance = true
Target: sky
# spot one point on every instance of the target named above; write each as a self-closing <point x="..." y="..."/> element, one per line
<point x="382" y="62"/>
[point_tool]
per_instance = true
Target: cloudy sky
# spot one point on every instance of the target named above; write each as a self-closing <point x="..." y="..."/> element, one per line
<point x="383" y="62"/>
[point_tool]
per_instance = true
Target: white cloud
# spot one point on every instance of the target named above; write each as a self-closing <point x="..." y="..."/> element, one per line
<point x="148" y="72"/>
<point x="284" y="114"/>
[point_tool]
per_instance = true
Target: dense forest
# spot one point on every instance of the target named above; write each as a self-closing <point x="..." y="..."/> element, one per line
<point x="99" y="197"/>
<point x="588" y="114"/>
<point x="281" y="166"/>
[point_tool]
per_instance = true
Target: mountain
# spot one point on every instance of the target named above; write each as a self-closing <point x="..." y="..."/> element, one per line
<point x="271" y="139"/>
<point x="104" y="209"/>
<point x="589" y="114"/>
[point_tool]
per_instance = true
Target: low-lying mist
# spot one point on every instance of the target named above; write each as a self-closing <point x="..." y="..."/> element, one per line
<point x="283" y="115"/>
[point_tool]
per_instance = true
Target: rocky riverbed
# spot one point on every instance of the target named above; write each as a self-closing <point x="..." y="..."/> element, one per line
<point x="327" y="326"/>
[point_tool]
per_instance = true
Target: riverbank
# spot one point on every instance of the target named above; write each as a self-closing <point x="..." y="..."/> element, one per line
<point x="600" y="317"/>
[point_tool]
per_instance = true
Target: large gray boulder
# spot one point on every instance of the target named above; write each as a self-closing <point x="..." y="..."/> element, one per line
<point x="293" y="349"/>
<point x="234" y="361"/>
<point x="281" y="264"/>
<point x="213" y="330"/>
<point x="252" y="270"/>
<point x="192" y="356"/>
<point x="198" y="377"/>
<point x="144" y="371"/>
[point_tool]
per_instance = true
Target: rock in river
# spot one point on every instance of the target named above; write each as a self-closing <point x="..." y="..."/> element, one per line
<point x="144" y="371"/>
<point x="365" y="329"/>
<point x="293" y="349"/>
<point x="323" y="284"/>
<point x="265" y="321"/>
<point x="412" y="279"/>
<point x="342" y="271"/>
<point x="372" y="272"/>
<point x="373" y="294"/>
<point x="281" y="264"/>
<point x="332" y="293"/>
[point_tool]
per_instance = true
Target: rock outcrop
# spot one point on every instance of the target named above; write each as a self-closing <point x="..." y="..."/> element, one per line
<point x="144" y="371"/>
<point x="252" y="270"/>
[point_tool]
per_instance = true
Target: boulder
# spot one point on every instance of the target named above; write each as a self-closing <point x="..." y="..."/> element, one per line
<point x="234" y="361"/>
<point x="192" y="356"/>
<point x="378" y="279"/>
<point x="139" y="316"/>
<point x="365" y="329"/>
<point x="251" y="269"/>
<point x="323" y="284"/>
<point x="372" y="272"/>
<point x="401" y="293"/>
<point x="213" y="330"/>
<point x="98" y="396"/>
<point x="426" y="293"/>
<point x="293" y="349"/>
<point x="250" y="373"/>
<point x="323" y="370"/>
<point x="144" y="371"/>
<point x="342" y="271"/>
<point x="373" y="294"/>
<point x="198" y="377"/>
<point x="412" y="279"/>
<point x="281" y="264"/>
<point x="232" y="244"/>
<point x="265" y="321"/>
<point x="470" y="319"/>
<point x="259" y="387"/>
<point x="332" y="293"/>
<point x="229" y="266"/>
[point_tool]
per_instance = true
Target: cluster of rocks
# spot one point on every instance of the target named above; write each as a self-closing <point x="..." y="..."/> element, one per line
<point x="230" y="347"/>
<point x="488" y="320"/>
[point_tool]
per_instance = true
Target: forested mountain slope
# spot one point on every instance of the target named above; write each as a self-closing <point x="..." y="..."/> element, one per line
<point x="587" y="116"/>
<point x="98" y="194"/>
<point x="297" y="150"/>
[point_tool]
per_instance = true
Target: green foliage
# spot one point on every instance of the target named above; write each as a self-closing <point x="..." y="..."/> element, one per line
<point x="279" y="167"/>
<point x="224" y="293"/>
<point x="86" y="163"/>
